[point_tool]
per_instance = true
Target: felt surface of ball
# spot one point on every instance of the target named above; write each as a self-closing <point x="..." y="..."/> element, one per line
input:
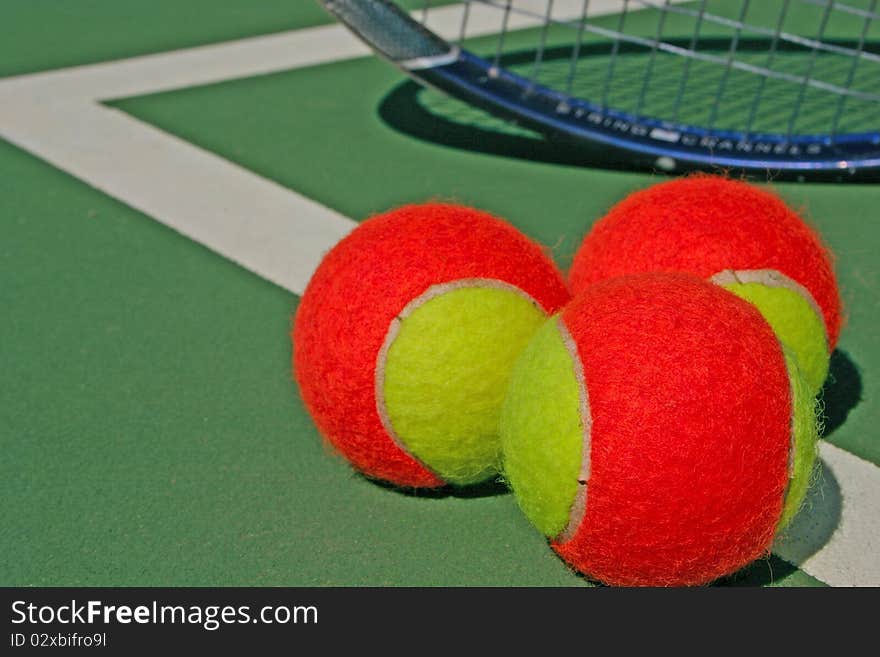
<point x="657" y="432"/>
<point x="406" y="334"/>
<point x="747" y="236"/>
<point x="789" y="311"/>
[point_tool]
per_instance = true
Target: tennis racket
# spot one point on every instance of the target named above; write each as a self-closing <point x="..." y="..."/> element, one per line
<point x="776" y="86"/>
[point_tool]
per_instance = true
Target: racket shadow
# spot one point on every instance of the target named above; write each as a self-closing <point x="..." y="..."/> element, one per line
<point x="403" y="111"/>
<point x="432" y="117"/>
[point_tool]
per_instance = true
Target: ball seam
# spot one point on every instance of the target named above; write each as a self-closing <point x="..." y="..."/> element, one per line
<point x="578" y="509"/>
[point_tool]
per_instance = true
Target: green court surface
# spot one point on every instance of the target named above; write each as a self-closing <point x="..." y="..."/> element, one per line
<point x="150" y="428"/>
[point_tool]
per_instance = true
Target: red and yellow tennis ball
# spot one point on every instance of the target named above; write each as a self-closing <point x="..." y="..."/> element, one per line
<point x="738" y="235"/>
<point x="406" y="335"/>
<point x="657" y="431"/>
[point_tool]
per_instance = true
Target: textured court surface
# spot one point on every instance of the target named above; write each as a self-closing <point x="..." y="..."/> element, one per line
<point x="159" y="216"/>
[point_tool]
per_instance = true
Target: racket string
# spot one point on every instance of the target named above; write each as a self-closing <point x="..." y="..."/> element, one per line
<point x="868" y="18"/>
<point x="792" y="122"/>
<point x="576" y="49"/>
<point x="615" y="51"/>
<point x="771" y="56"/>
<point x="542" y="44"/>
<point x="731" y="53"/>
<point x="508" y="7"/>
<point x="695" y="37"/>
<point x="649" y="72"/>
<point x="466" y="14"/>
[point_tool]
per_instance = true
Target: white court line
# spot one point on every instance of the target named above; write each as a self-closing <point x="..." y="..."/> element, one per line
<point x="281" y="235"/>
<point x="261" y="55"/>
<point x="271" y="230"/>
<point x="249" y="219"/>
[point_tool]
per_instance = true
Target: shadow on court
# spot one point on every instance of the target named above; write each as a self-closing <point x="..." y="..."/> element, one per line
<point x="489" y="488"/>
<point x="817" y="520"/>
<point x="403" y="110"/>
<point x="842" y="391"/>
<point x="428" y="116"/>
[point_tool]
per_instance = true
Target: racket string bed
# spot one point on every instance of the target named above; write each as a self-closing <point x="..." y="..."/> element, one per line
<point x="789" y="84"/>
<point x="719" y="57"/>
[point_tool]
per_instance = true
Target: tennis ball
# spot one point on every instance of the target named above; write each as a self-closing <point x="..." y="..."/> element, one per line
<point x="406" y="334"/>
<point x="738" y="235"/>
<point x="657" y="432"/>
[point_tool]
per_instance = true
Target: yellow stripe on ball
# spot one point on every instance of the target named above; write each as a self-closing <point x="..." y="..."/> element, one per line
<point x="454" y="347"/>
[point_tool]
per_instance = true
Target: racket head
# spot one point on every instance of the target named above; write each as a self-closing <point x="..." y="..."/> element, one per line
<point x="580" y="117"/>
